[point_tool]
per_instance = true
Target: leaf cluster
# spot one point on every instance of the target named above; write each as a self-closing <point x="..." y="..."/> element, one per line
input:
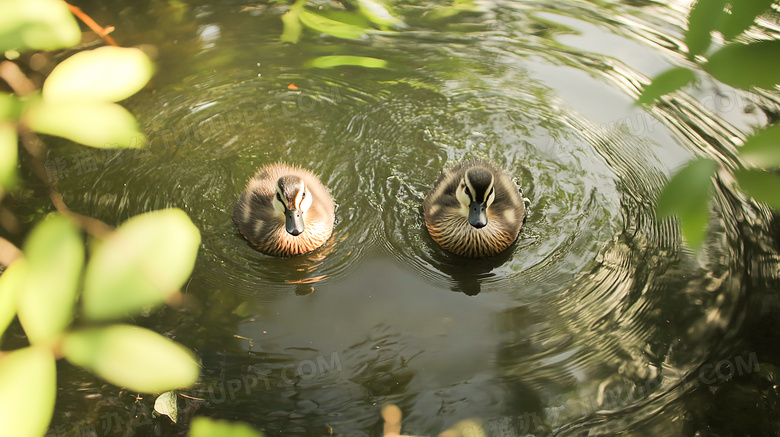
<point x="742" y="65"/>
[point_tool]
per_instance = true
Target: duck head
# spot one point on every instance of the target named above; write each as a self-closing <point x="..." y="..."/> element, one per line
<point x="292" y="200"/>
<point x="475" y="194"/>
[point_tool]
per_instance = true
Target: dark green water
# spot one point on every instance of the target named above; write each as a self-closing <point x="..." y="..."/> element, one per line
<point x="597" y="321"/>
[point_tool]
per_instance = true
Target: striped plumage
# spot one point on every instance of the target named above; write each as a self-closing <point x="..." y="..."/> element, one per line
<point x="284" y="211"/>
<point x="474" y="210"/>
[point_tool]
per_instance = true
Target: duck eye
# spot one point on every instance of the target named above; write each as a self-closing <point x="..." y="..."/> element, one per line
<point x="278" y="197"/>
<point x="468" y="192"/>
<point x="303" y="196"/>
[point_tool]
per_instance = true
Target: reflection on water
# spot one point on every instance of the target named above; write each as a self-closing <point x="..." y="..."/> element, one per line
<point x="596" y="320"/>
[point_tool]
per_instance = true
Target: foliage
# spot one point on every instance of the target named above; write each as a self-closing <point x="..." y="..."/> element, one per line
<point x="745" y="66"/>
<point x="54" y="287"/>
<point x="205" y="427"/>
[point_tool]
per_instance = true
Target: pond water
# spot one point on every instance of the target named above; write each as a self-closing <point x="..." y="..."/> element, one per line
<point x="597" y="321"/>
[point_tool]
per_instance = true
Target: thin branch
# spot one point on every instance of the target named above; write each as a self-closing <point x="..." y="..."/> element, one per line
<point x="101" y="31"/>
<point x="8" y="252"/>
<point x="15" y="78"/>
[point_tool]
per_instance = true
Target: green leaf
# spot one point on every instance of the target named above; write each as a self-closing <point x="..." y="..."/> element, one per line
<point x="11" y="282"/>
<point x="8" y="155"/>
<point x="28" y="388"/>
<point x="167" y="405"/>
<point x="9" y="107"/>
<point x="331" y="27"/>
<point x="141" y="265"/>
<point x="55" y="257"/>
<point x="665" y="83"/>
<point x="743" y="14"/>
<point x="377" y="13"/>
<point x="760" y="185"/>
<point x="96" y="124"/>
<point x="703" y="19"/>
<point x="37" y="25"/>
<point x="206" y="427"/>
<point x="292" y="23"/>
<point x="763" y="148"/>
<point x="106" y="74"/>
<point x="687" y="195"/>
<point x="339" y="61"/>
<point x="132" y="357"/>
<point x="747" y="65"/>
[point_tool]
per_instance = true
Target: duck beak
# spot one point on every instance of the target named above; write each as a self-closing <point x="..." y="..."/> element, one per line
<point x="293" y="222"/>
<point x="477" y="215"/>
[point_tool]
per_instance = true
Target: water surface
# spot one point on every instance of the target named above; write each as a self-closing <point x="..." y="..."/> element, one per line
<point x="598" y="320"/>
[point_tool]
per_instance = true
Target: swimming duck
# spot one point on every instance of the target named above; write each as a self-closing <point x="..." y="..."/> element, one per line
<point x="284" y="211"/>
<point x="474" y="210"/>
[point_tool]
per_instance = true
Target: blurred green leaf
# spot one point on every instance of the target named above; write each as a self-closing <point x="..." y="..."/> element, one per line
<point x="167" y="405"/>
<point x="743" y="14"/>
<point x="458" y="7"/>
<point x="28" y="388"/>
<point x="10" y="283"/>
<point x="762" y="149"/>
<point x="331" y="27"/>
<point x="37" y="25"/>
<point x="339" y="61"/>
<point x="105" y="74"/>
<point x="292" y="24"/>
<point x="665" y="83"/>
<point x="9" y="107"/>
<point x="747" y="65"/>
<point x="206" y="427"/>
<point x="8" y="155"/>
<point x="54" y="251"/>
<point x="703" y="19"/>
<point x="132" y="357"/>
<point x="377" y="13"/>
<point x="140" y="265"/>
<point x="687" y="196"/>
<point x="96" y="124"/>
<point x="760" y="185"/>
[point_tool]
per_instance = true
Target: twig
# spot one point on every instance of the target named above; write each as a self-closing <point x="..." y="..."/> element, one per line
<point x="101" y="31"/>
<point x="8" y="252"/>
<point x="15" y="78"/>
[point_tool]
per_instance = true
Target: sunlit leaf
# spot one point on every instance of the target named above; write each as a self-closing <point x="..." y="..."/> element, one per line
<point x="743" y="14"/>
<point x="132" y="357"/>
<point x="331" y="27"/>
<point x="761" y="185"/>
<point x="37" y="24"/>
<point x="105" y="74"/>
<point x="747" y="65"/>
<point x="9" y="107"/>
<point x="687" y="196"/>
<point x="96" y="124"/>
<point x="377" y="13"/>
<point x="206" y="427"/>
<point x="55" y="258"/>
<point x="763" y="148"/>
<point x="28" y="388"/>
<point x="339" y="61"/>
<point x="292" y="25"/>
<point x="703" y="19"/>
<point x="141" y="265"/>
<point x="8" y="155"/>
<point x="665" y="83"/>
<point x="11" y="282"/>
<point x="167" y="405"/>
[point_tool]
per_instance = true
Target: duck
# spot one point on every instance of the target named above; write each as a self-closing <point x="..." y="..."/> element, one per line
<point x="285" y="211"/>
<point x="474" y="210"/>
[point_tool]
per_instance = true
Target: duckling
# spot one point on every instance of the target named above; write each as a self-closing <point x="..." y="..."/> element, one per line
<point x="284" y="211"/>
<point x="474" y="210"/>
